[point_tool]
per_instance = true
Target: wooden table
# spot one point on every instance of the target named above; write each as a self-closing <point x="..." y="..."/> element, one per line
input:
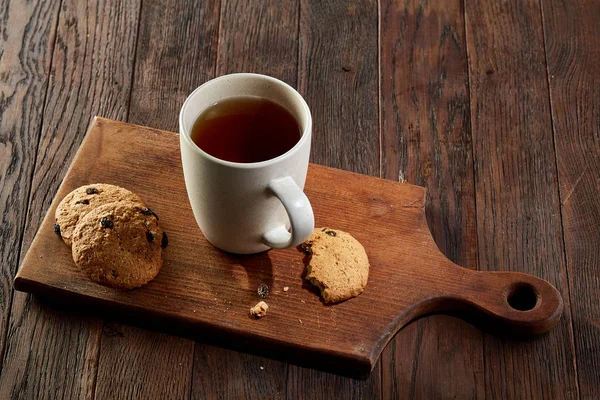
<point x="493" y="106"/>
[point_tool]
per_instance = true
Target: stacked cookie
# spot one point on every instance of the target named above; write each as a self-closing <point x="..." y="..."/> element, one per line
<point x="115" y="239"/>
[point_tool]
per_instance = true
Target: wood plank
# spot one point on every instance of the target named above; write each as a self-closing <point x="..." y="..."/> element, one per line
<point x="305" y="383"/>
<point x="338" y="77"/>
<point x="518" y="206"/>
<point x="173" y="57"/>
<point x="50" y="354"/>
<point x="141" y="364"/>
<point x="259" y="37"/>
<point x="426" y="135"/>
<point x="53" y="354"/>
<point x="572" y="43"/>
<point x="226" y="374"/>
<point x="25" y="29"/>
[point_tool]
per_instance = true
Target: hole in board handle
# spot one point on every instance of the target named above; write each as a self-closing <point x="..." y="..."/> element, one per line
<point x="523" y="297"/>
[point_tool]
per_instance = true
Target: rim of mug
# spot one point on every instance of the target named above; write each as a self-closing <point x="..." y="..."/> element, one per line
<point x="305" y="132"/>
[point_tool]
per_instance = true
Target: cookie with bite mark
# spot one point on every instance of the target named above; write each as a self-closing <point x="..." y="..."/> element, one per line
<point x="338" y="264"/>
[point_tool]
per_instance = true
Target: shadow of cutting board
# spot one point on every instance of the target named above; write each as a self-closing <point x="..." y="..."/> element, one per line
<point x="204" y="293"/>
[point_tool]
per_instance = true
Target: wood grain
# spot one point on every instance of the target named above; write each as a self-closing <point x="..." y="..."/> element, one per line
<point x="24" y="30"/>
<point x="426" y="139"/>
<point x="305" y="383"/>
<point x="54" y="354"/>
<point x="260" y="37"/>
<point x="518" y="206"/>
<point x="225" y="374"/>
<point x="140" y="364"/>
<point x="338" y="77"/>
<point x="173" y="57"/>
<point x="202" y="291"/>
<point x="50" y="353"/>
<point x="572" y="43"/>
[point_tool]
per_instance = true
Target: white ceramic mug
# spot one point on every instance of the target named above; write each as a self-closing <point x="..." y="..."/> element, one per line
<point x="247" y="208"/>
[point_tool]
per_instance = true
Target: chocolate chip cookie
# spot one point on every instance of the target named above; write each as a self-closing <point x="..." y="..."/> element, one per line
<point x="338" y="264"/>
<point x="119" y="245"/>
<point x="82" y="200"/>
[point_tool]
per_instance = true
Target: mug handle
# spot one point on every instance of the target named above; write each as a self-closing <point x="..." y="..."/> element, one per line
<point x="299" y="211"/>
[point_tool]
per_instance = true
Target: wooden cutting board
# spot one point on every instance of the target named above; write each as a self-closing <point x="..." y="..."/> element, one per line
<point x="204" y="293"/>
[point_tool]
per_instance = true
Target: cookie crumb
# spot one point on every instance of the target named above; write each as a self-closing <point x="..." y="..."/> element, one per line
<point x="259" y="310"/>
<point x="286" y="288"/>
<point x="263" y="291"/>
<point x="299" y="320"/>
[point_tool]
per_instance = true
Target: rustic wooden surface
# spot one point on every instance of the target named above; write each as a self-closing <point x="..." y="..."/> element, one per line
<point x="574" y="81"/>
<point x="517" y="200"/>
<point x="426" y="135"/>
<point x="542" y="107"/>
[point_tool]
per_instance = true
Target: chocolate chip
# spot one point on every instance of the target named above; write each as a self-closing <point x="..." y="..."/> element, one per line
<point x="57" y="229"/>
<point x="331" y="233"/>
<point x="91" y="190"/>
<point x="149" y="236"/>
<point x="263" y="291"/>
<point x="147" y="211"/>
<point x="106" y="223"/>
<point x="164" y="241"/>
<point x="323" y="230"/>
<point x="83" y="202"/>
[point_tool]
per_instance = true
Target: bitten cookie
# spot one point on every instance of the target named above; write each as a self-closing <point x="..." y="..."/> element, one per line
<point x="338" y="264"/>
<point x="82" y="200"/>
<point x="119" y="245"/>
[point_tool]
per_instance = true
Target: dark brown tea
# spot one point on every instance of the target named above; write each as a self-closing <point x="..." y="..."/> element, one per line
<point x="246" y="130"/>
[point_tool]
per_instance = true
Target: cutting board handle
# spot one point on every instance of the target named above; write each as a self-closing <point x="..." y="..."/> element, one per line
<point x="510" y="303"/>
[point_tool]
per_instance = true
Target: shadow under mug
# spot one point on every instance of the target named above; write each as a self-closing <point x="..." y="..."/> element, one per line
<point x="246" y="208"/>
